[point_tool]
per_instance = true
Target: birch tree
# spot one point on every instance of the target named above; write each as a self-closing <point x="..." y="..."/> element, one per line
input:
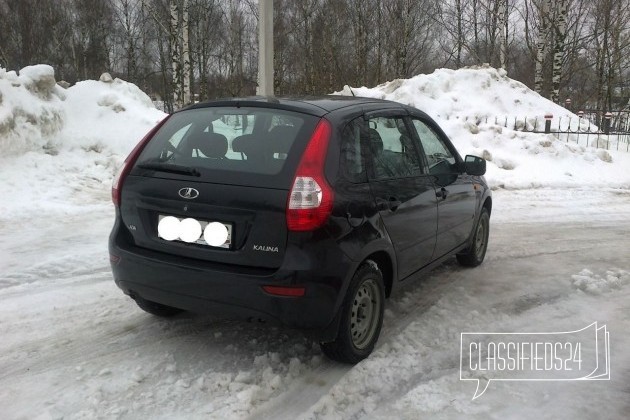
<point x="502" y="24"/>
<point x="180" y="51"/>
<point x="186" y="65"/>
<point x="560" y="28"/>
<point x="175" y="49"/>
<point x="543" y="40"/>
<point x="460" y="32"/>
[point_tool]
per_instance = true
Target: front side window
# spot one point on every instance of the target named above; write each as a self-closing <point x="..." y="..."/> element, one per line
<point x="391" y="149"/>
<point x="440" y="159"/>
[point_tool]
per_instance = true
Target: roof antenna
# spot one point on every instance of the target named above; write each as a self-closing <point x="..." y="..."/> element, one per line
<point x="351" y="91"/>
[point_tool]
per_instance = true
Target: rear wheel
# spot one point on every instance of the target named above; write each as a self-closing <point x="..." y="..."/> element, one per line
<point x="155" y="308"/>
<point x="361" y="317"/>
<point x="474" y="255"/>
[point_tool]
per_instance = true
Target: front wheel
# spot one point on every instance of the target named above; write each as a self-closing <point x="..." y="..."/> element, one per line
<point x="474" y="255"/>
<point x="361" y="317"/>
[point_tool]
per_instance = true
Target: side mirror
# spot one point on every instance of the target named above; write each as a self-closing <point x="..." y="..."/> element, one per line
<point x="474" y="165"/>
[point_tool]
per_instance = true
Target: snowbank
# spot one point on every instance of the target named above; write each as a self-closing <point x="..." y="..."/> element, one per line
<point x="467" y="102"/>
<point x="109" y="116"/>
<point x="61" y="147"/>
<point x="31" y="109"/>
<point x="475" y="92"/>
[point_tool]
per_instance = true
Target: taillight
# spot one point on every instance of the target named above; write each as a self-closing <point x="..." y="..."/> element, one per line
<point x="311" y="196"/>
<point x="130" y="161"/>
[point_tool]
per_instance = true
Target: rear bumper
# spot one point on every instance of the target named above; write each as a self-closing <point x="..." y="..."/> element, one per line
<point x="235" y="291"/>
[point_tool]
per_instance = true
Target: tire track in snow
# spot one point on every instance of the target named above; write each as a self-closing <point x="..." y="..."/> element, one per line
<point x="540" y="253"/>
<point x="306" y="391"/>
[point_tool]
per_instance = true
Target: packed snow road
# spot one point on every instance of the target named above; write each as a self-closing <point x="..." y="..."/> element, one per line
<point x="73" y="347"/>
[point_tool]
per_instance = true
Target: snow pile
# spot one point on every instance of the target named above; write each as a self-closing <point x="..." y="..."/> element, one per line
<point x="31" y="109"/>
<point x="479" y="107"/>
<point x="595" y="284"/>
<point x="61" y="147"/>
<point x="107" y="116"/>
<point x="478" y="93"/>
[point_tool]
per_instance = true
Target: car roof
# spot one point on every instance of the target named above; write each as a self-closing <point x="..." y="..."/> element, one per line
<point x="315" y="105"/>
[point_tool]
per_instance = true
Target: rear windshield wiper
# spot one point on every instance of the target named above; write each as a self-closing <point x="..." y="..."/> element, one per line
<point x="167" y="167"/>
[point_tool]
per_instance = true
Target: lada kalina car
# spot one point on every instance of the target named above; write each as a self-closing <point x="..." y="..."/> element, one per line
<point x="309" y="212"/>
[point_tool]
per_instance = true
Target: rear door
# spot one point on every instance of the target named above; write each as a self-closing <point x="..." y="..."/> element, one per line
<point x="227" y="165"/>
<point x="455" y="191"/>
<point x="404" y="194"/>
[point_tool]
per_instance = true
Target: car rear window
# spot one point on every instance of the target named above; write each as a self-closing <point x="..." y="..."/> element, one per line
<point x="231" y="141"/>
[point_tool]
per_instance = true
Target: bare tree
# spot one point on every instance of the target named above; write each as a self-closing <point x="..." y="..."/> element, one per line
<point x="611" y="52"/>
<point x="409" y="37"/>
<point x="175" y="48"/>
<point x="502" y="12"/>
<point x="543" y="41"/>
<point x="129" y="22"/>
<point x="181" y="50"/>
<point x="235" y="58"/>
<point x="560" y="29"/>
<point x="186" y="65"/>
<point x="205" y="30"/>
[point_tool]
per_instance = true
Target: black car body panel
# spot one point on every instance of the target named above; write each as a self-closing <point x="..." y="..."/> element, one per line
<point x="229" y="204"/>
<point x="406" y="223"/>
<point x="226" y="289"/>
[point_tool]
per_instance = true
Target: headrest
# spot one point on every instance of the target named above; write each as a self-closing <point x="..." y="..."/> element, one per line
<point x="212" y="145"/>
<point x="281" y="137"/>
<point x="245" y="144"/>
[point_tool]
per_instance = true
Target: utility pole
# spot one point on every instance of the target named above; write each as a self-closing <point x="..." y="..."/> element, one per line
<point x="265" y="48"/>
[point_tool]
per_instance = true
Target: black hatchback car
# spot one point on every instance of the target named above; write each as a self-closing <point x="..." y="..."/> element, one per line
<point x="305" y="211"/>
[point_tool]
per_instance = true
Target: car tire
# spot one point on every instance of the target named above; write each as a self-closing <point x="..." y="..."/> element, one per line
<point x="361" y="316"/>
<point x="155" y="308"/>
<point x="475" y="254"/>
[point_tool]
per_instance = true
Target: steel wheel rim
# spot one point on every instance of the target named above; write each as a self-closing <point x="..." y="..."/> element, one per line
<point x="480" y="238"/>
<point x="366" y="309"/>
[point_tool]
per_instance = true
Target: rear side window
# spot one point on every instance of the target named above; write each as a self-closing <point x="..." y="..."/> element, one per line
<point x="352" y="152"/>
<point x="391" y="148"/>
<point x="256" y="141"/>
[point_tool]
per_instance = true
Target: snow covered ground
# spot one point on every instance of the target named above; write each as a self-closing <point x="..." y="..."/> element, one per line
<point x="73" y="347"/>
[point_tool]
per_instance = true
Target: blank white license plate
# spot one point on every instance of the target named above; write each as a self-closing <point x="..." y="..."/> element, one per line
<point x="201" y="241"/>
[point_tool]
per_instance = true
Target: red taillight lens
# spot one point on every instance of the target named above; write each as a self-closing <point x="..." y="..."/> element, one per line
<point x="130" y="161"/>
<point x="311" y="197"/>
